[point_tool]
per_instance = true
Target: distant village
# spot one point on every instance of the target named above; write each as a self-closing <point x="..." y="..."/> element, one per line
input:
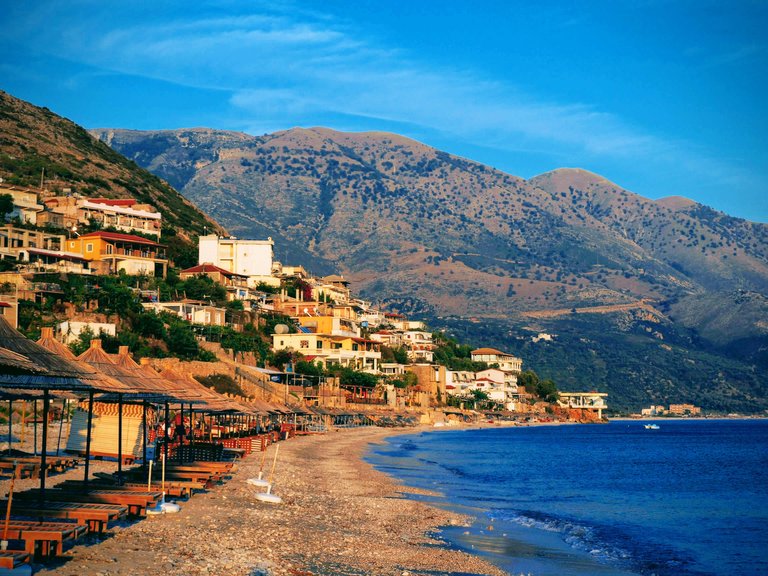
<point x="330" y="327"/>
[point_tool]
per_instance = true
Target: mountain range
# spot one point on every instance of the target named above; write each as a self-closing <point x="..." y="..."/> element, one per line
<point x="652" y="301"/>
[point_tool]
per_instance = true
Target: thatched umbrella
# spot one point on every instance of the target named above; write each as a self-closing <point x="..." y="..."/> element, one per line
<point x="214" y="403"/>
<point x="180" y="393"/>
<point x="59" y="373"/>
<point x="141" y="385"/>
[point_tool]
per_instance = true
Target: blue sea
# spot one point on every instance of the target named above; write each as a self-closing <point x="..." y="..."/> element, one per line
<point x="688" y="499"/>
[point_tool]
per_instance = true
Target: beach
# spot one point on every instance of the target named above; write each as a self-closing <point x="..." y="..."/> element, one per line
<point x="338" y="516"/>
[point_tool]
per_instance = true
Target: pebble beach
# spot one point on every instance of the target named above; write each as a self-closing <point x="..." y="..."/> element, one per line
<point x="338" y="516"/>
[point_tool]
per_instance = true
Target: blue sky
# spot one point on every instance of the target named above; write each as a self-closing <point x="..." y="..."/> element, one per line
<point x="662" y="97"/>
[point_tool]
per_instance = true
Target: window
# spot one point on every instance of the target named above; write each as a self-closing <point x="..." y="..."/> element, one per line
<point x="109" y="248"/>
<point x="89" y="247"/>
<point x="319" y="344"/>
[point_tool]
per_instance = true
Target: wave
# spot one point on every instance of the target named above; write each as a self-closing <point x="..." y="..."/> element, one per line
<point x="607" y="545"/>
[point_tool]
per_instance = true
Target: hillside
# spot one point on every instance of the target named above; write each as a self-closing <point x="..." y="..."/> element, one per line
<point x="36" y="144"/>
<point x="491" y="255"/>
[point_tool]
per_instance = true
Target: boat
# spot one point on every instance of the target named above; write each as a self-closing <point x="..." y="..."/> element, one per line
<point x="651" y="426"/>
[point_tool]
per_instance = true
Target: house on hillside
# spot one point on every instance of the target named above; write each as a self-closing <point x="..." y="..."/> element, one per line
<point x="193" y="311"/>
<point x="111" y="252"/>
<point x="235" y="284"/>
<point x="491" y="356"/>
<point x="333" y="287"/>
<point x="124" y="214"/>
<point x="419" y="344"/>
<point x="327" y="349"/>
<point x="250" y="258"/>
<point x="25" y="203"/>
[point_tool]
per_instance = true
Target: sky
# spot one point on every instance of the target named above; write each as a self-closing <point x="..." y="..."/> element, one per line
<point x="662" y="97"/>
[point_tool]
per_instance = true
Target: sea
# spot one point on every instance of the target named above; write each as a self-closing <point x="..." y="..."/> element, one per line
<point x="616" y="499"/>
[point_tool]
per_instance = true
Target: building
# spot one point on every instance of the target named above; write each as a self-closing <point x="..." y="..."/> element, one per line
<point x="70" y="331"/>
<point x="124" y="214"/>
<point x="504" y="361"/>
<point x="192" y="311"/>
<point x="346" y="351"/>
<point x="25" y="204"/>
<point x="419" y="344"/>
<point x="333" y="288"/>
<point x="684" y="410"/>
<point x="594" y="401"/>
<point x="235" y="284"/>
<point x="251" y="258"/>
<point x="653" y="411"/>
<point x="111" y="252"/>
<point x="432" y="379"/>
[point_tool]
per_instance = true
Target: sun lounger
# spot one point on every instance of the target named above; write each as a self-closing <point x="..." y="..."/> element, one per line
<point x="11" y="560"/>
<point x="45" y="538"/>
<point x="175" y="490"/>
<point x="137" y="502"/>
<point x="96" y="516"/>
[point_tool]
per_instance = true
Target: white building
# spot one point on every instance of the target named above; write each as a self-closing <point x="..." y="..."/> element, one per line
<point x="71" y="331"/>
<point x="191" y="311"/>
<point x="490" y="356"/>
<point x="251" y="258"/>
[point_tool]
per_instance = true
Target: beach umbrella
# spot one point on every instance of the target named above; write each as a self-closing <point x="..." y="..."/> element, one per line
<point x="55" y="372"/>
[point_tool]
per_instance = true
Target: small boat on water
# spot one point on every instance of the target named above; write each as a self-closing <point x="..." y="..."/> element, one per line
<point x="651" y="426"/>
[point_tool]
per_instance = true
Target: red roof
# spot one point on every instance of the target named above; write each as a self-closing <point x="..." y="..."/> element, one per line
<point x="114" y="201"/>
<point x="208" y="267"/>
<point x="116" y="236"/>
<point x="489" y="352"/>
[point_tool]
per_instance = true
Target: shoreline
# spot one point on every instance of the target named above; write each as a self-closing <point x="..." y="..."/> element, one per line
<point x="339" y="516"/>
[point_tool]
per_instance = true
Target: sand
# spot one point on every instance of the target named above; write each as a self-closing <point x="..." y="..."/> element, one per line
<point x="339" y="516"/>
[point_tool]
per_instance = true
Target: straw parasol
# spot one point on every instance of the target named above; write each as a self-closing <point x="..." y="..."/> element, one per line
<point x="56" y="373"/>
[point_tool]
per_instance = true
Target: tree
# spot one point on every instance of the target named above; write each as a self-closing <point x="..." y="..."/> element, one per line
<point x="308" y="368"/>
<point x="547" y="391"/>
<point x="182" y="342"/>
<point x="354" y="379"/>
<point x="221" y="383"/>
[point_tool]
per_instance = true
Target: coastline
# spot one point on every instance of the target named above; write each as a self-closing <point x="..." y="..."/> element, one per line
<point x="339" y="516"/>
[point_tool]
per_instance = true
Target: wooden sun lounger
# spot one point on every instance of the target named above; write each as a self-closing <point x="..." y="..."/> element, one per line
<point x="223" y="467"/>
<point x="137" y="502"/>
<point x="29" y="466"/>
<point x="96" y="516"/>
<point x="198" y="479"/>
<point x="174" y="490"/>
<point x="45" y="538"/>
<point x="10" y="559"/>
<point x="20" y="469"/>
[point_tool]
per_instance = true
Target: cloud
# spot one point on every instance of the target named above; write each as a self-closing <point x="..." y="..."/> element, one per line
<point x="287" y="66"/>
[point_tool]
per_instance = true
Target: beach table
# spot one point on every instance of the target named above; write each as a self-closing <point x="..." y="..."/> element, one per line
<point x="96" y="516"/>
<point x="45" y="538"/>
<point x="137" y="502"/>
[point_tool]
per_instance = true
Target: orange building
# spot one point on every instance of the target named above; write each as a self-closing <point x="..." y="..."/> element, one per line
<point x="111" y="252"/>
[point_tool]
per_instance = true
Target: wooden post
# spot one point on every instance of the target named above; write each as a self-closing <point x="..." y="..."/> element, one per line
<point x="44" y="447"/>
<point x="10" y="425"/>
<point x="119" y="439"/>
<point x="88" y="435"/>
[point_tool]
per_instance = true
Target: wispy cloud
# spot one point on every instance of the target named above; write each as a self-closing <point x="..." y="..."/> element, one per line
<point x="288" y="67"/>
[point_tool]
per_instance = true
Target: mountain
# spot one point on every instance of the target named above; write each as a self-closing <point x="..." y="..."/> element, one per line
<point x="653" y="301"/>
<point x="36" y="144"/>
